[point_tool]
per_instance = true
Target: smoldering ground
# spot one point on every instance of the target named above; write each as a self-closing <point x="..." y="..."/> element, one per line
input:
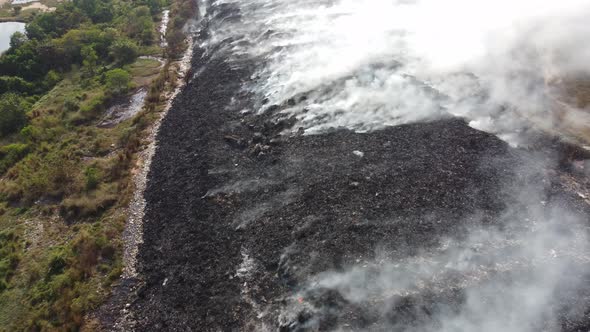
<point x="522" y="267"/>
<point x="418" y="223"/>
<point x="518" y="274"/>
<point x="365" y="65"/>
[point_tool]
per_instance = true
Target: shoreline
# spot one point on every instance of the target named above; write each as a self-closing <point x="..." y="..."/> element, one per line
<point x="13" y="19"/>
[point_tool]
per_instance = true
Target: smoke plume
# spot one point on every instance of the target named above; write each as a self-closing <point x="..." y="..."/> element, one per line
<point x="366" y="64"/>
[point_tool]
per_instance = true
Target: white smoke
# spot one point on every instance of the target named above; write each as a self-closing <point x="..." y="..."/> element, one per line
<point x="510" y="275"/>
<point x="365" y="64"/>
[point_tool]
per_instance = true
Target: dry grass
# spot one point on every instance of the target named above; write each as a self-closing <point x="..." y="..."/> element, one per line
<point x="573" y="115"/>
<point x="144" y="71"/>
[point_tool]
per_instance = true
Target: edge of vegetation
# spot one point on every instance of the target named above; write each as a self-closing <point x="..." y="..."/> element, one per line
<point x="66" y="180"/>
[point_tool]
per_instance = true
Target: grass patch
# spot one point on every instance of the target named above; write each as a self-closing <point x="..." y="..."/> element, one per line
<point x="89" y="204"/>
<point x="144" y="71"/>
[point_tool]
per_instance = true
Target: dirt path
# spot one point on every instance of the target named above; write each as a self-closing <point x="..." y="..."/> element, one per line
<point x="115" y="315"/>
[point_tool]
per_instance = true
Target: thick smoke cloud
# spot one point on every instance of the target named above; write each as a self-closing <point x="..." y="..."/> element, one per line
<point x="366" y="64"/>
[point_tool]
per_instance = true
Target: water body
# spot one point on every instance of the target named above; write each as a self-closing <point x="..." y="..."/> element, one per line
<point x="6" y="30"/>
<point x="22" y="2"/>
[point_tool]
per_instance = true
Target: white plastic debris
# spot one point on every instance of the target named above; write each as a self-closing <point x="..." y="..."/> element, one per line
<point x="358" y="153"/>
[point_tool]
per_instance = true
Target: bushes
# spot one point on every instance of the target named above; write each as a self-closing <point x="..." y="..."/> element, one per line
<point x="87" y="205"/>
<point x="13" y="116"/>
<point x="118" y="81"/>
<point x="41" y="175"/>
<point x="124" y="51"/>
<point x="11" y="154"/>
<point x="68" y="288"/>
<point x="140" y="25"/>
<point x="14" y="84"/>
<point x="71" y="105"/>
<point x="10" y="250"/>
<point x="94" y="105"/>
<point x="51" y="79"/>
<point x="89" y="109"/>
<point x="91" y="178"/>
<point x="57" y="262"/>
<point x="182" y="11"/>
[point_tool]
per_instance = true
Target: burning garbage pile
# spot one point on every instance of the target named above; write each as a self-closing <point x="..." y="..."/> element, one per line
<point x="331" y="178"/>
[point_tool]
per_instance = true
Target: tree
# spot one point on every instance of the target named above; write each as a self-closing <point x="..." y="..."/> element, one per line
<point x="87" y="6"/>
<point x="124" y="51"/>
<point x="118" y="81"/>
<point x="104" y="13"/>
<point x="140" y="25"/>
<point x="90" y="59"/>
<point x="35" y="31"/>
<point x="13" y="116"/>
<point x="154" y="5"/>
<point x="23" y="61"/>
<point x="15" y="84"/>
<point x="98" y="11"/>
<point x="175" y="40"/>
<point x="51" y="79"/>
<point x="17" y="40"/>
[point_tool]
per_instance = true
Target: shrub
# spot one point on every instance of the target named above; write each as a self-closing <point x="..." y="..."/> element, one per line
<point x="71" y="105"/>
<point x="91" y="204"/>
<point x="118" y="81"/>
<point x="57" y="262"/>
<point x="39" y="175"/>
<point x="140" y="25"/>
<point x="9" y="257"/>
<point x="91" y="178"/>
<point x="14" y="84"/>
<point x="51" y="79"/>
<point x="13" y="116"/>
<point x="11" y="154"/>
<point x="124" y="51"/>
<point x="89" y="109"/>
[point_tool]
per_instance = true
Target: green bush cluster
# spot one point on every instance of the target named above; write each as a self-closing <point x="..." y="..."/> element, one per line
<point x="118" y="81"/>
<point x="71" y="35"/>
<point x="10" y="256"/>
<point x="182" y="11"/>
<point x="13" y="113"/>
<point x="10" y="154"/>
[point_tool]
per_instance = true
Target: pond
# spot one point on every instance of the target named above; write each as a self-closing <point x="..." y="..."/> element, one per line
<point x="6" y="30"/>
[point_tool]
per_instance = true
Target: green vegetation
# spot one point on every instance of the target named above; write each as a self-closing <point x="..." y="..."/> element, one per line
<point x="13" y="109"/>
<point x="118" y="81"/>
<point x="66" y="181"/>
